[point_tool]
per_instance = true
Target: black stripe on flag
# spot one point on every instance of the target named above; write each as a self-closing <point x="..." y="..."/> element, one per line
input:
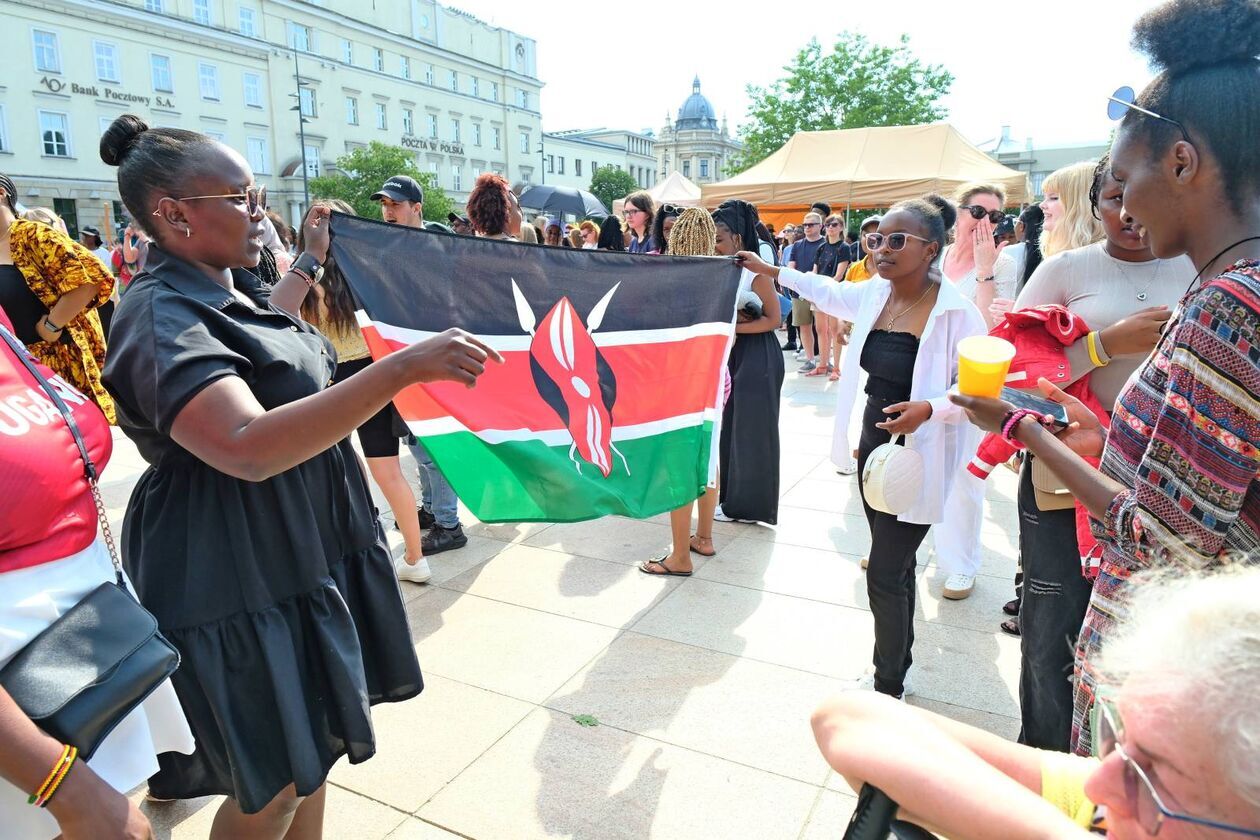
<point x="431" y="281"/>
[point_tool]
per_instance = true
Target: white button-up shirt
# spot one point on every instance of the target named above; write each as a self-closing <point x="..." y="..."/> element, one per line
<point x="946" y="441"/>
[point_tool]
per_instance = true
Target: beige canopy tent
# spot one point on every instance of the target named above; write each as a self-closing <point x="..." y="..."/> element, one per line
<point x="864" y="167"/>
<point x="676" y="189"/>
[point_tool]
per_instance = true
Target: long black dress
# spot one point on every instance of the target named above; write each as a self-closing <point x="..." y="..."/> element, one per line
<point x="749" y="446"/>
<point x="279" y="594"/>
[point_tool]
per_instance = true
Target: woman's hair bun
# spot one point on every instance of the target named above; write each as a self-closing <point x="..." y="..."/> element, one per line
<point x="1183" y="34"/>
<point x="121" y="137"/>
<point x="949" y="213"/>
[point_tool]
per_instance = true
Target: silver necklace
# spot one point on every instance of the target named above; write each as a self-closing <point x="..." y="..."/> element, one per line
<point x="1141" y="293"/>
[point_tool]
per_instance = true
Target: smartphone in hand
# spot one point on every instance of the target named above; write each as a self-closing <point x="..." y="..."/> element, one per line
<point x="1035" y="402"/>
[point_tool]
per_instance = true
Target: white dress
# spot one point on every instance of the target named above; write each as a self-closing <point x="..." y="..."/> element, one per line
<point x="30" y="600"/>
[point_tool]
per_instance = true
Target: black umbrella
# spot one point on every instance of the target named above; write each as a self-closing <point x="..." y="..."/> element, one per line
<point x="563" y="201"/>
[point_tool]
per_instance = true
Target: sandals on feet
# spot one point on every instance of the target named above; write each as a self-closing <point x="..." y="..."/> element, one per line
<point x="1011" y="607"/>
<point x="1011" y="626"/>
<point x="697" y="539"/>
<point x="646" y="568"/>
<point x="833" y="376"/>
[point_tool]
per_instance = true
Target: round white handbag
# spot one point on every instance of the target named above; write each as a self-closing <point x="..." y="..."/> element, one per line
<point x="893" y="478"/>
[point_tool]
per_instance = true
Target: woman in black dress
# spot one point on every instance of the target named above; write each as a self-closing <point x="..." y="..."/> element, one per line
<point x="252" y="535"/>
<point x="749" y="447"/>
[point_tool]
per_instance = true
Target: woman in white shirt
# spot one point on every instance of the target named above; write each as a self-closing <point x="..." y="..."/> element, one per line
<point x="906" y="328"/>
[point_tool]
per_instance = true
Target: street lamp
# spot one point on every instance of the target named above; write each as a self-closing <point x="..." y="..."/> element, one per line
<point x="542" y="158"/>
<point x="306" y="187"/>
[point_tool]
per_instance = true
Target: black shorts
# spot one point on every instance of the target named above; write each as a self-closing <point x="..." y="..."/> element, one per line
<point x="378" y="435"/>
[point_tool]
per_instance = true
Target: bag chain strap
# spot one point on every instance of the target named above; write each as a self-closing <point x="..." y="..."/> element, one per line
<point x="89" y="468"/>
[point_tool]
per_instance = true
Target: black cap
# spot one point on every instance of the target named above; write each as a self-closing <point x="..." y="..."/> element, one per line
<point x="455" y="217"/>
<point x="91" y="231"/>
<point x="400" y="188"/>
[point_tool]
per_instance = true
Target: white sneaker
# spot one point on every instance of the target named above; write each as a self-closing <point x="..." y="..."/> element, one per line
<point x="958" y="587"/>
<point x="419" y="573"/>
<point x="848" y="469"/>
<point x="867" y="683"/>
<point x="720" y="516"/>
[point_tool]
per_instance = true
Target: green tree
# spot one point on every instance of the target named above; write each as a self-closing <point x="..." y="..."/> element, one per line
<point x="361" y="173"/>
<point x="608" y="183"/>
<point x="857" y="85"/>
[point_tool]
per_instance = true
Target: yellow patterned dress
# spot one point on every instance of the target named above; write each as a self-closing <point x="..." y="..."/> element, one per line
<point x="54" y="264"/>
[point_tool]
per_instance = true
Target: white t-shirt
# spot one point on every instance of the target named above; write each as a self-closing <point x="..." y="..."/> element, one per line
<point x="1003" y="276"/>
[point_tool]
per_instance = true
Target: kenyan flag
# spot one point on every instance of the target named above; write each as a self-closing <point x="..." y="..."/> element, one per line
<point x="609" y="400"/>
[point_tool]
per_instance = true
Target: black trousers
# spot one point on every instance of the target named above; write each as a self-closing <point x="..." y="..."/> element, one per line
<point x="890" y="577"/>
<point x="1053" y="606"/>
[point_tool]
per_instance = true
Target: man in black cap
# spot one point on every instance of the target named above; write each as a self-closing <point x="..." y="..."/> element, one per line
<point x="91" y="238"/>
<point x="402" y="203"/>
<point x="460" y="224"/>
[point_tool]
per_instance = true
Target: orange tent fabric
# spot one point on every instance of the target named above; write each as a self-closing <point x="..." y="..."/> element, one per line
<point x="864" y="168"/>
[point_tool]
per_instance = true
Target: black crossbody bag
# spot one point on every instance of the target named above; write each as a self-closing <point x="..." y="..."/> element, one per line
<point x="91" y="667"/>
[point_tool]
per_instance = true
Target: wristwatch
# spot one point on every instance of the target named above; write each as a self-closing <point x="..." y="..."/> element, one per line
<point x="308" y="265"/>
<point x="50" y="326"/>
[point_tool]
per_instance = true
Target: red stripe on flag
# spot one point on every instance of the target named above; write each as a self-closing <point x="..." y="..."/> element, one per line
<point x="654" y="382"/>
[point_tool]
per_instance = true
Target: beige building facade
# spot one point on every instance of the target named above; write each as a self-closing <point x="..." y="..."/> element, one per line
<point x="460" y="94"/>
<point x="570" y="158"/>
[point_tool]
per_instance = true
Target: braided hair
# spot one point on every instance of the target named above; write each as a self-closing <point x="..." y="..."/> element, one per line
<point x="740" y="219"/>
<point x="693" y="234"/>
<point x="10" y="193"/>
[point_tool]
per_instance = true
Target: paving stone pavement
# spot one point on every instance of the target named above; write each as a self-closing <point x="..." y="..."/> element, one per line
<point x="702" y="686"/>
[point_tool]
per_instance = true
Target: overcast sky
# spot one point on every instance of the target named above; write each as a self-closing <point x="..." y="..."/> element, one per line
<point x="1044" y="68"/>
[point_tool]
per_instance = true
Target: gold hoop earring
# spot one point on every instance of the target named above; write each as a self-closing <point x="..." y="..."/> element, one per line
<point x="187" y="233"/>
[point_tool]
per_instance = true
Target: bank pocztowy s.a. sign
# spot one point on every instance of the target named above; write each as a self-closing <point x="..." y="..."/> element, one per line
<point x="98" y="92"/>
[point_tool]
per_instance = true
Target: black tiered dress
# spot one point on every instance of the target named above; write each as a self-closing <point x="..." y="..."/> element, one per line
<point x="280" y="594"/>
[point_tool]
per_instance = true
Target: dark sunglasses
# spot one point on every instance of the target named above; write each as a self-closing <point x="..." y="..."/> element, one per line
<point x="1123" y="101"/>
<point x="896" y="241"/>
<point x="977" y="212"/>
<point x="812" y="224"/>
<point x="1138" y="788"/>
<point x="833" y="224"/>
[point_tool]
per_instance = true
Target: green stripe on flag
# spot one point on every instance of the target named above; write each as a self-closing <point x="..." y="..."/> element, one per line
<point x="529" y="481"/>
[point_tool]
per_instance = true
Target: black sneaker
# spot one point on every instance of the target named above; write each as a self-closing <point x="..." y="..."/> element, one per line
<point x="788" y="346"/>
<point x="427" y="520"/>
<point x="441" y="539"/>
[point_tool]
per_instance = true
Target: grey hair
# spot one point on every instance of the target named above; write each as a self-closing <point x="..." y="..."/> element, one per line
<point x="1200" y="633"/>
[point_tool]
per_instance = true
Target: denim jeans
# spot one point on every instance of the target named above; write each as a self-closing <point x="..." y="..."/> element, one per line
<point x="436" y="494"/>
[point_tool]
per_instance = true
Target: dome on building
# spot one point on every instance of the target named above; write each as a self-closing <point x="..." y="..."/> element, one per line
<point x="697" y="112"/>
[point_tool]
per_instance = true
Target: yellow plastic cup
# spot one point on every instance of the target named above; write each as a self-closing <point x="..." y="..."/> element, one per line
<point x="983" y="361"/>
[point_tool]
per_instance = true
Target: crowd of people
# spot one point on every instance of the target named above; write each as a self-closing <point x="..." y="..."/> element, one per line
<point x="211" y="332"/>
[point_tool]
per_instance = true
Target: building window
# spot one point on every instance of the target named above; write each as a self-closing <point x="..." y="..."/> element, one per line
<point x="476" y="134"/>
<point x="106" y="56"/>
<point x="409" y="122"/>
<point x="201" y="12"/>
<point x="208" y="79"/>
<point x="577" y="167"/>
<point x="347" y="51"/>
<point x="496" y="137"/>
<point x="4" y="132"/>
<point x="432" y="119"/>
<point x="54" y="131"/>
<point x="306" y="102"/>
<point x="404" y="66"/>
<point x="457" y="181"/>
<point x="453" y="78"/>
<point x="454" y="131"/>
<point x="68" y="211"/>
<point x="686" y="169"/>
<point x="47" y="53"/>
<point x="525" y="142"/>
<point x="494" y="91"/>
<point x="352" y="111"/>
<point x="522" y="98"/>
<point x="381" y="121"/>
<point x="299" y="37"/>
<point x="253" y="90"/>
<point x="153" y="6"/>
<point x="704" y="167"/>
<point x="246" y="22"/>
<point x="257" y="155"/>
<point x="428" y="74"/>
<point x="160" y="70"/>
<point x="378" y="59"/>
<point x="476" y="86"/>
<point x="551" y="164"/>
<point x="311" y="157"/>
